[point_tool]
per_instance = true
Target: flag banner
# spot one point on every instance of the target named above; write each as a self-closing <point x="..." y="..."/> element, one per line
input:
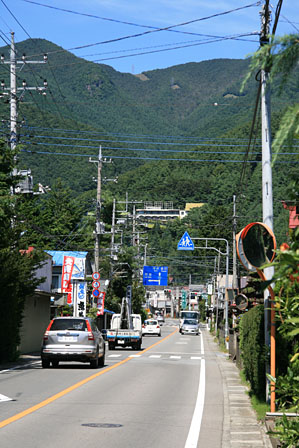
<point x="100" y="303"/>
<point x="67" y="270"/>
<point x="78" y="269"/>
<point x="81" y="299"/>
<point x="69" y="299"/>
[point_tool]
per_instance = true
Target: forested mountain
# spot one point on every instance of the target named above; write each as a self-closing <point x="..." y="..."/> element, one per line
<point x="175" y="134"/>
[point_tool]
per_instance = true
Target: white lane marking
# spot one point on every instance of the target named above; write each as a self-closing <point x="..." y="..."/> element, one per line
<point x="178" y="353"/>
<point x="114" y="356"/>
<point x="20" y="366"/>
<point x="175" y="357"/>
<point x="196" y="357"/>
<point x="5" y="398"/>
<point x="181" y="343"/>
<point x="194" y="430"/>
<point x="134" y="356"/>
<point x="155" y="356"/>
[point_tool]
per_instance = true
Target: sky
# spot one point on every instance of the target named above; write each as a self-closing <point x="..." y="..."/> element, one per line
<point x="127" y="35"/>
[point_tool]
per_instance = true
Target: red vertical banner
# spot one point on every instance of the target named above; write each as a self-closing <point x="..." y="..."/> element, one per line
<point x="67" y="270"/>
<point x="69" y="300"/>
<point x="100" y="303"/>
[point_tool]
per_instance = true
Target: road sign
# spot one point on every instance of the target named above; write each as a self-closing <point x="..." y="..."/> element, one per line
<point x="155" y="275"/>
<point x="95" y="293"/>
<point x="185" y="242"/>
<point x="96" y="284"/>
<point x="96" y="275"/>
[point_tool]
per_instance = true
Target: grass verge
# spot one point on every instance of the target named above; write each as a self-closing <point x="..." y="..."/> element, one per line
<point x="260" y="406"/>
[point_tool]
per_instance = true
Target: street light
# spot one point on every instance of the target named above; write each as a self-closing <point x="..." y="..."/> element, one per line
<point x="226" y="254"/>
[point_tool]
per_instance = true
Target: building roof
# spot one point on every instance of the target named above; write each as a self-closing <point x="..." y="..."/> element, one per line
<point x="58" y="255"/>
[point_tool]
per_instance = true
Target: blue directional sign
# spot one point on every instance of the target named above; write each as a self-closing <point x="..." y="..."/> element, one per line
<point x="185" y="242"/>
<point x="155" y="275"/>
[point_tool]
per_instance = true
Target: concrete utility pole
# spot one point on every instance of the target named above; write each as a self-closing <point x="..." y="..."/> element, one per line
<point x="13" y="98"/>
<point x="112" y="230"/>
<point x="235" y="285"/>
<point x="267" y="188"/>
<point x="98" y="225"/>
<point x="134" y="226"/>
<point x="13" y="89"/>
<point x="99" y="162"/>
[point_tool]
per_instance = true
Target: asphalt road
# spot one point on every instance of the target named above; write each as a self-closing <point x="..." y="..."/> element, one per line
<point x="169" y="394"/>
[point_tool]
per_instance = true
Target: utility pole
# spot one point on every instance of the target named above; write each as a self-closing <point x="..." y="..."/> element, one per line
<point x="112" y="231"/>
<point x="234" y="244"/>
<point x="98" y="224"/>
<point x="99" y="162"/>
<point x="134" y="225"/>
<point x="13" y="89"/>
<point x="267" y="195"/>
<point x="13" y="98"/>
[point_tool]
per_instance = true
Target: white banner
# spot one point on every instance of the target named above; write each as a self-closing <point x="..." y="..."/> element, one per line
<point x="81" y="288"/>
<point x="78" y="269"/>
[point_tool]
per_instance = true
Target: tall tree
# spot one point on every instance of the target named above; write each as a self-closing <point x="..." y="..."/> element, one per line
<point x="17" y="270"/>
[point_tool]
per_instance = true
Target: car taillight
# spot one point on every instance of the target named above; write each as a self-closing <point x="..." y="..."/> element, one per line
<point x="143" y="326"/>
<point x="158" y="326"/>
<point x="90" y="333"/>
<point x="46" y="335"/>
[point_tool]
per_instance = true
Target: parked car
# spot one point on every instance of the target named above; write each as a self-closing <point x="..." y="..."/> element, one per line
<point x="72" y="339"/>
<point x="151" y="326"/>
<point x="160" y="318"/>
<point x="190" y="326"/>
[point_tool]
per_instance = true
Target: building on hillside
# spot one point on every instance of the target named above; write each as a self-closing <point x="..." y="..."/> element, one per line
<point x="163" y="211"/>
<point x="37" y="309"/>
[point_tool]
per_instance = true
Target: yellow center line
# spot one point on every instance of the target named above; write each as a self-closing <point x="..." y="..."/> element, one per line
<point x="49" y="400"/>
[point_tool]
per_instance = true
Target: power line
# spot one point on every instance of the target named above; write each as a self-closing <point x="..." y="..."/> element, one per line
<point x="154" y="30"/>
<point x="124" y="148"/>
<point x="195" y="140"/>
<point x="112" y="156"/>
<point x="233" y="37"/>
<point x="52" y="72"/>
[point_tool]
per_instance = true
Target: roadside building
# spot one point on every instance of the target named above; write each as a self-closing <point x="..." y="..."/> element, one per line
<point x="37" y="309"/>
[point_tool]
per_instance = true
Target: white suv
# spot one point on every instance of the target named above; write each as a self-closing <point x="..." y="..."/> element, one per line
<point x="72" y="339"/>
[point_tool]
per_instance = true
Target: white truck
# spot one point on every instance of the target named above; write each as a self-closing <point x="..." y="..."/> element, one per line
<point x="125" y="329"/>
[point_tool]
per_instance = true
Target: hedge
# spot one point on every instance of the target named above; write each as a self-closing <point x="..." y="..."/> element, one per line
<point x="253" y="349"/>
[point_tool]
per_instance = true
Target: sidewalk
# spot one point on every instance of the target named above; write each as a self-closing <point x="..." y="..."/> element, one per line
<point x="23" y="361"/>
<point x="241" y="428"/>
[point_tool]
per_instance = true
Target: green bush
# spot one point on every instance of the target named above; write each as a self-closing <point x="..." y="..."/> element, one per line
<point x="253" y="349"/>
<point x="202" y="310"/>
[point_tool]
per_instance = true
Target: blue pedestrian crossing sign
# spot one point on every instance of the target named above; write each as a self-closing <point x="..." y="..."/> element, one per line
<point x="185" y="242"/>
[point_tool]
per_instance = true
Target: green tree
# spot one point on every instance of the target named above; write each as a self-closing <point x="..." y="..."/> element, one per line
<point x="17" y="269"/>
<point x="53" y="220"/>
<point x="281" y="56"/>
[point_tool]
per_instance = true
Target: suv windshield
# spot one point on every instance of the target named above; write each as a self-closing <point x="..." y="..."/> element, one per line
<point x="190" y="322"/>
<point x="69" y="324"/>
